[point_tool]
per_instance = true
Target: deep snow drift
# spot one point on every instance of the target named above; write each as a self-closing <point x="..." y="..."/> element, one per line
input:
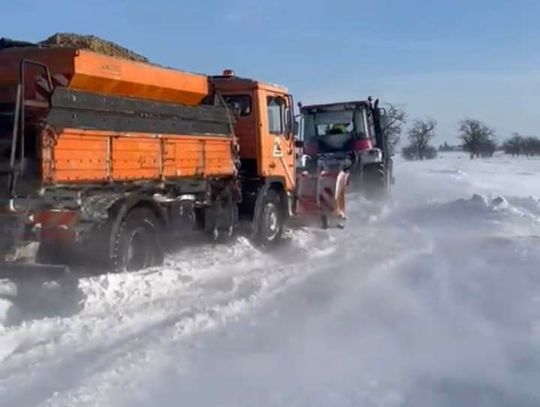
<point x="433" y="300"/>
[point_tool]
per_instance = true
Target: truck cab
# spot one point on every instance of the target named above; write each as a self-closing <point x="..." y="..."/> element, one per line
<point x="263" y="125"/>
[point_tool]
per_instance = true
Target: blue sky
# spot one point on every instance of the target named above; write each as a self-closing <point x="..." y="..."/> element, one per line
<point x="442" y="59"/>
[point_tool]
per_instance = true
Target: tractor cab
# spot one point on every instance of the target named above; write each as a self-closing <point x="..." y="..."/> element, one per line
<point x="348" y="135"/>
<point x="335" y="128"/>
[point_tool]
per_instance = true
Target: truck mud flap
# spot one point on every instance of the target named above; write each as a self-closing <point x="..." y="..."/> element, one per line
<point x="23" y="271"/>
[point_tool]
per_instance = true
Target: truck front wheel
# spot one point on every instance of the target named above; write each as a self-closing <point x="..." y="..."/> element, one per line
<point x="137" y="244"/>
<point x="269" y="219"/>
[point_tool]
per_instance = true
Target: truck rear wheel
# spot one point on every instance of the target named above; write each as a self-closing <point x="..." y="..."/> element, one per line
<point x="269" y="219"/>
<point x="375" y="181"/>
<point x="53" y="254"/>
<point x="137" y="244"/>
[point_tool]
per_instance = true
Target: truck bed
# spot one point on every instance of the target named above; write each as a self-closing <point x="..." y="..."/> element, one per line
<point x="107" y="120"/>
<point x="98" y="138"/>
<point x="94" y="156"/>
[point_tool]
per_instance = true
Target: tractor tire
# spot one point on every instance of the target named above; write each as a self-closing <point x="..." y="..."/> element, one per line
<point x="138" y="242"/>
<point x="375" y="181"/>
<point x="269" y="220"/>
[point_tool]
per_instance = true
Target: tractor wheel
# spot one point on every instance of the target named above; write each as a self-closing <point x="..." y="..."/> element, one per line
<point x="375" y="183"/>
<point x="269" y="220"/>
<point x="137" y="244"/>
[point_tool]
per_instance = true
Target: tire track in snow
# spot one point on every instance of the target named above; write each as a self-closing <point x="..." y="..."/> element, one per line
<point x="100" y="386"/>
<point x="128" y="318"/>
<point x="168" y="316"/>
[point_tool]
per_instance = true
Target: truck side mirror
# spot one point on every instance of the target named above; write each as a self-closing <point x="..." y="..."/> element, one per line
<point x="298" y="143"/>
<point x="295" y="128"/>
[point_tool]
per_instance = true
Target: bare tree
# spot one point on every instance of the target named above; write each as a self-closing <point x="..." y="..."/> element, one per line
<point x="514" y="145"/>
<point x="518" y="144"/>
<point x="478" y="139"/>
<point x="531" y="146"/>
<point x="420" y="135"/>
<point x="392" y="123"/>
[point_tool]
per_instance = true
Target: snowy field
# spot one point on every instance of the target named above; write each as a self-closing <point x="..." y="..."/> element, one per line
<point x="432" y="301"/>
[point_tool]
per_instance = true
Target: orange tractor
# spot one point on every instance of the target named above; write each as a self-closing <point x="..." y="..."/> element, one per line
<point x="109" y="159"/>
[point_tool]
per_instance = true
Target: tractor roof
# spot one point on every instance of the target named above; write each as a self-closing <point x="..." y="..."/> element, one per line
<point x="336" y="106"/>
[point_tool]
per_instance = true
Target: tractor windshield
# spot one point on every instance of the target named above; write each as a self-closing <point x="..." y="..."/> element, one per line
<point x="324" y="124"/>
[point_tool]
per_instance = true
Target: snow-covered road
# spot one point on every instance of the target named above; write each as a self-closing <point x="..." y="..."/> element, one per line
<point x="435" y="300"/>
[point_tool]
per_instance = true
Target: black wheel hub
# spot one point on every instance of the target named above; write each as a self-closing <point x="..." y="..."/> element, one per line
<point x="270" y="221"/>
<point x="138" y="250"/>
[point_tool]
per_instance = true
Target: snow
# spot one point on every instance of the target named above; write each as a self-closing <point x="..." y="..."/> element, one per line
<point x="433" y="299"/>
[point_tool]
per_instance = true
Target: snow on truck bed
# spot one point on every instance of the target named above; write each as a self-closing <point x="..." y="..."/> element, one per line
<point x="433" y="300"/>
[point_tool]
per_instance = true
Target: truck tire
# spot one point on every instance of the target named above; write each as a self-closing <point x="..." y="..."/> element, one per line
<point x="324" y="222"/>
<point x="269" y="220"/>
<point x="138" y="242"/>
<point x="375" y="181"/>
<point x="53" y="254"/>
<point x="223" y="217"/>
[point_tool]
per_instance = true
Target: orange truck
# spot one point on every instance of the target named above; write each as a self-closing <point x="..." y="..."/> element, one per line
<point x="108" y="160"/>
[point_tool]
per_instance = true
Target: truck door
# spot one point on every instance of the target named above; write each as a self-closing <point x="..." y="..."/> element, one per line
<point x="245" y="128"/>
<point x="277" y="142"/>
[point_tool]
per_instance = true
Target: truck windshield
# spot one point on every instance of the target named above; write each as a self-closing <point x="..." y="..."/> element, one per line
<point x="325" y="124"/>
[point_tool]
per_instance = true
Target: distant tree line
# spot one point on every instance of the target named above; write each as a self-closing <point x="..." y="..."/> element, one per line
<point x="476" y="137"/>
<point x="522" y="145"/>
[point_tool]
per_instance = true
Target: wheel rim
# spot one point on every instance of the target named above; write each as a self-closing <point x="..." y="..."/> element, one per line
<point x="137" y="252"/>
<point x="271" y="221"/>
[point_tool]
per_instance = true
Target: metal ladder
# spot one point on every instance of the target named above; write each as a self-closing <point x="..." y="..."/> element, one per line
<point x="16" y="161"/>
